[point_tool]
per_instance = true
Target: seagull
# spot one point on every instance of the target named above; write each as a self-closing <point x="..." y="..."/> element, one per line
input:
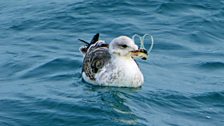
<point x="112" y="64"/>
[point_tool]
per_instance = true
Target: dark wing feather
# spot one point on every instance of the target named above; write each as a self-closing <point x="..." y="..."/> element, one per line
<point x="93" y="41"/>
<point x="96" y="56"/>
<point x="95" y="38"/>
<point x="95" y="60"/>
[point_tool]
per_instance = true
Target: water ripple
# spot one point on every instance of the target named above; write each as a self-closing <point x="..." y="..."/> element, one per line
<point x="40" y="79"/>
<point x="50" y="67"/>
<point x="212" y="65"/>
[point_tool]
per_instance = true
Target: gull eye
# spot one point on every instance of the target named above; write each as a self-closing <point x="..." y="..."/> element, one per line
<point x="124" y="46"/>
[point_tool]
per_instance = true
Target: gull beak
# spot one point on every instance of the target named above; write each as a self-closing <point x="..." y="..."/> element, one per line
<point x="140" y="53"/>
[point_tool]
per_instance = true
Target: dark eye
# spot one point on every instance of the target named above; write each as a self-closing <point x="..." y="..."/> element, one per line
<point x="124" y="46"/>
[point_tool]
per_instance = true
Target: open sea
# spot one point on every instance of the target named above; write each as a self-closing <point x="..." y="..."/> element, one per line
<point x="40" y="63"/>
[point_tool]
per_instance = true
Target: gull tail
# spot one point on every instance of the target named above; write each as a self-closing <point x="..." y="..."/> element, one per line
<point x="84" y="49"/>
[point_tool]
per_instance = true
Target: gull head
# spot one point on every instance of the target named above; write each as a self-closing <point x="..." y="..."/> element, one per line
<point x="126" y="47"/>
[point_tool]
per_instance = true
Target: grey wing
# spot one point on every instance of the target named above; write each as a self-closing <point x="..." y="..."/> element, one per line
<point x="95" y="60"/>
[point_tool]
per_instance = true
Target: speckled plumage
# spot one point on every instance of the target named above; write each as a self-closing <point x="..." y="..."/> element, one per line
<point x="111" y="65"/>
<point x="96" y="58"/>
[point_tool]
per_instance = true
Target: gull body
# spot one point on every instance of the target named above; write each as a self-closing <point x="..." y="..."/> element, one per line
<point x="113" y="64"/>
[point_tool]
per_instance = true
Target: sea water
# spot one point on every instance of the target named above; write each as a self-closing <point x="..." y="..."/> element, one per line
<point x="40" y="63"/>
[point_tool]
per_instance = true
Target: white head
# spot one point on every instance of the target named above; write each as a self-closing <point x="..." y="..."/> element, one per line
<point x="122" y="46"/>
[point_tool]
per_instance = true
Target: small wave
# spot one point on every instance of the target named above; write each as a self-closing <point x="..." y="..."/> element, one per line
<point x="11" y="68"/>
<point x="215" y="65"/>
<point x="169" y="46"/>
<point x="210" y="98"/>
<point x="52" y="67"/>
<point x="24" y="25"/>
<point x="181" y="8"/>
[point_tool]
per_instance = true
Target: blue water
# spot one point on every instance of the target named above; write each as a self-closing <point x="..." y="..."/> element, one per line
<point x="40" y="78"/>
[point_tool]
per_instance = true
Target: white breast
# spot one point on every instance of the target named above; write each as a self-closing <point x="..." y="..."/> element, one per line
<point x="122" y="72"/>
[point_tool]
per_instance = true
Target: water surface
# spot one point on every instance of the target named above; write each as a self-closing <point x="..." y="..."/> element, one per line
<point x="40" y="79"/>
